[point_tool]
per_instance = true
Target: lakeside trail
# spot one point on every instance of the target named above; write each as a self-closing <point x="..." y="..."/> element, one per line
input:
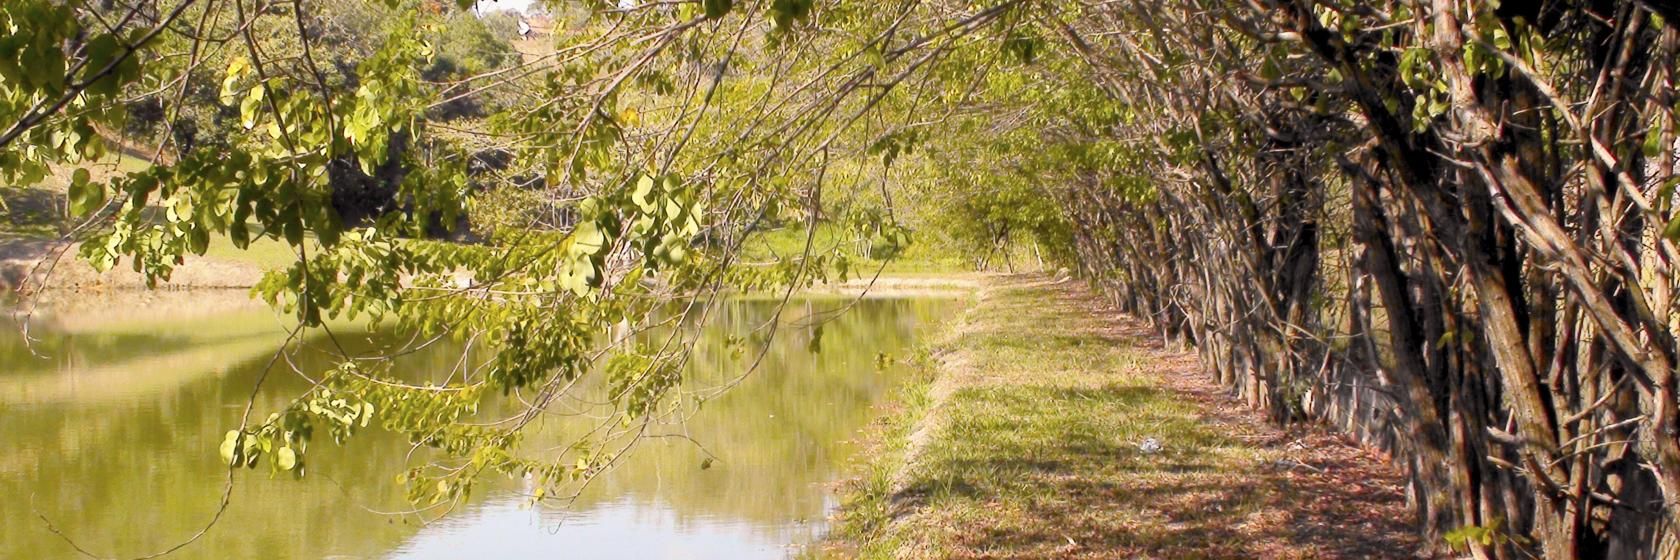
<point x="1025" y="441"/>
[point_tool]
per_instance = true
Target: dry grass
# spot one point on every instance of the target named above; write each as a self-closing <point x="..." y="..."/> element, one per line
<point x="1029" y="449"/>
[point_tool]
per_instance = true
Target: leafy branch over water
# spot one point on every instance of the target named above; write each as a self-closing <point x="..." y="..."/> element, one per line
<point x="1465" y="209"/>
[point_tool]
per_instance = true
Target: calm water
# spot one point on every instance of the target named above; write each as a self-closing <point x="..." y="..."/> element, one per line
<point x="110" y="421"/>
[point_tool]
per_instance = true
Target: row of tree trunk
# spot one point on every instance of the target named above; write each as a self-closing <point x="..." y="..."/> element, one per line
<point x="1447" y="225"/>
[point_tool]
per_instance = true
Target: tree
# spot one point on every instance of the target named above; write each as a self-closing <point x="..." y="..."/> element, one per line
<point x="274" y="114"/>
<point x="1396" y="216"/>
<point x="1447" y="224"/>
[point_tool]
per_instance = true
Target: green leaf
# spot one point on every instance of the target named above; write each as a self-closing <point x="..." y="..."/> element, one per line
<point x="101" y="52"/>
<point x="643" y="196"/>
<point x="717" y="8"/>
<point x="784" y="12"/>
<point x="85" y="196"/>
<point x="198" y="240"/>
<point x="239" y="234"/>
<point x="236" y="70"/>
<point x="230" y="447"/>
<point x="588" y="239"/>
<point x="1501" y="39"/>
<point x="578" y="276"/>
<point x="285" y="458"/>
<point x="1653" y="142"/>
<point x="1270" y="71"/>
<point x="1409" y="61"/>
<point x="1438" y="106"/>
<point x="249" y="107"/>
<point x="1665" y="192"/>
<point x="250" y="451"/>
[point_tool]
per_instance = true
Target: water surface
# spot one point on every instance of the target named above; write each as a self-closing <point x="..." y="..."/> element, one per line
<point x="111" y="415"/>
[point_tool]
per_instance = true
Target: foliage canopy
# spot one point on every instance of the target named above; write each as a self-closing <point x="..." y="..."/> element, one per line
<point x="1464" y="209"/>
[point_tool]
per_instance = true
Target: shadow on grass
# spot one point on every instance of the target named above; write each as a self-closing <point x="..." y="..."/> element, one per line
<point x="1038" y="472"/>
<point x="31" y="212"/>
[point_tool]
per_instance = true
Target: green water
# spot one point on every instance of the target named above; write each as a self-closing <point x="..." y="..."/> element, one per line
<point x="111" y="414"/>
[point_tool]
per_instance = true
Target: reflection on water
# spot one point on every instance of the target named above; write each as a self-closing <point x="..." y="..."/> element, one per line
<point x="110" y="419"/>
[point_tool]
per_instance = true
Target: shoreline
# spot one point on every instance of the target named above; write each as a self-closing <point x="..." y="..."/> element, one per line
<point x="21" y="268"/>
<point x="27" y="265"/>
<point x="858" y="528"/>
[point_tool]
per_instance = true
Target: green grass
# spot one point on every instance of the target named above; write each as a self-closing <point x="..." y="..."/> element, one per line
<point x="263" y="252"/>
<point x="31" y="213"/>
<point x="867" y="504"/>
<point x="1032" y="451"/>
<point x="38" y="211"/>
<point x="104" y="170"/>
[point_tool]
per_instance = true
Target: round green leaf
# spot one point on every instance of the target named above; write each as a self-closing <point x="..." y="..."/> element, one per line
<point x="229" y="448"/>
<point x="285" y="458"/>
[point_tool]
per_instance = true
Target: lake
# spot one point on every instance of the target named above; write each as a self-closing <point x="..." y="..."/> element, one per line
<point x="112" y="411"/>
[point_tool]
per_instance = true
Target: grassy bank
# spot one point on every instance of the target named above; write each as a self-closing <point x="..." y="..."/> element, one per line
<point x="1023" y="439"/>
<point x="867" y="508"/>
<point x="921" y="259"/>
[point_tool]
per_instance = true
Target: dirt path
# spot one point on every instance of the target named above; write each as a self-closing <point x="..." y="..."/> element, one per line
<point x="1034" y="447"/>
